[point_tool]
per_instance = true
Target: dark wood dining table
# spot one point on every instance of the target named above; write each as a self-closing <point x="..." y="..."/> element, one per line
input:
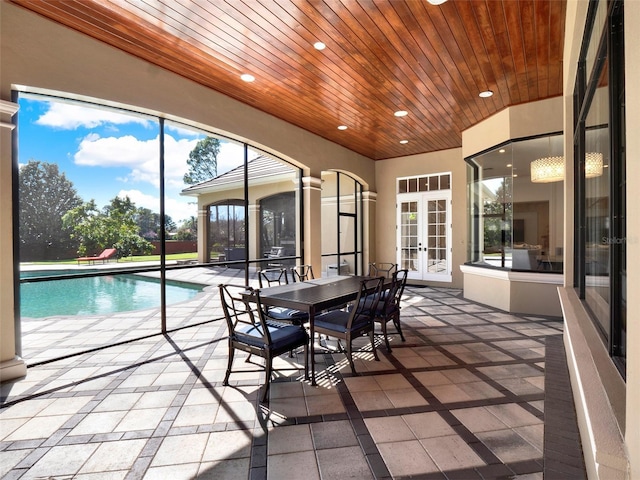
<point x="313" y="296"/>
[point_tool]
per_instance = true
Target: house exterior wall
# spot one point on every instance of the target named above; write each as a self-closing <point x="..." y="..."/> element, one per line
<point x="387" y="173"/>
<point x="606" y="404"/>
<point x="632" y="65"/>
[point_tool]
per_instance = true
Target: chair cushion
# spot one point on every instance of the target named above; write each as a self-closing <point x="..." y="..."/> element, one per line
<point x="336" y="321"/>
<point x="283" y="337"/>
<point x="288" y="314"/>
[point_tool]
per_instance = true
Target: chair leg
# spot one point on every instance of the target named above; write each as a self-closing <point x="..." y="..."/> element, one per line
<point x="372" y="335"/>
<point x="231" y="353"/>
<point x="306" y="362"/>
<point x="350" y="356"/>
<point x="383" y="324"/>
<point x="267" y="381"/>
<point x="396" y="322"/>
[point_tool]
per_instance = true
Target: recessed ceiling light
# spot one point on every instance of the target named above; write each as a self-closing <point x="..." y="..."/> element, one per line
<point x="436" y="2"/>
<point x="246" y="77"/>
<point x="342" y="127"/>
<point x="319" y="46"/>
<point x="509" y="165"/>
<point x="515" y="175"/>
<point x="404" y="141"/>
<point x="485" y="94"/>
<point x="401" y="113"/>
<point x="502" y="150"/>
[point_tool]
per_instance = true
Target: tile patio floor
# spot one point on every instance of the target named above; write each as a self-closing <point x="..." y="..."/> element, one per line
<point x="462" y="398"/>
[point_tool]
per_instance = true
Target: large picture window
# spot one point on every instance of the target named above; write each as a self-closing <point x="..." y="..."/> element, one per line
<point x="515" y="195"/>
<point x="600" y="232"/>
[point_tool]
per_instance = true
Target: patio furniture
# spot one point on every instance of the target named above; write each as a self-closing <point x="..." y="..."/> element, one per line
<point x="275" y="253"/>
<point x="270" y="277"/>
<point x="384" y="269"/>
<point x="355" y="321"/>
<point x="251" y="332"/>
<point x="313" y="296"/>
<point x="301" y="273"/>
<point x="106" y="254"/>
<point x="388" y="308"/>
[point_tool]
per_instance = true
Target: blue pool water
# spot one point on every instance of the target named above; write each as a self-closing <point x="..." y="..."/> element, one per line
<point x="98" y="295"/>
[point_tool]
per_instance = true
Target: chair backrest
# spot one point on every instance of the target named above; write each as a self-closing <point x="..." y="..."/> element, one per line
<point x="276" y="252"/>
<point x="400" y="281"/>
<point x="107" y="252"/>
<point x="270" y="277"/>
<point x="385" y="269"/>
<point x="366" y="303"/>
<point x="301" y="273"/>
<point x="241" y="319"/>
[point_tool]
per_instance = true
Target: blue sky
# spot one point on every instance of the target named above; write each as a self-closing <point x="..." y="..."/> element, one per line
<point x="106" y="152"/>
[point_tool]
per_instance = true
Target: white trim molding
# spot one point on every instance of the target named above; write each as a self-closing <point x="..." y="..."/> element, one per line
<point x="311" y="183"/>
<point x="8" y="108"/>
<point x="13" y="369"/>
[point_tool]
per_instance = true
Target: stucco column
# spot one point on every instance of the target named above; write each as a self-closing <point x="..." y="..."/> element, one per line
<point x="203" y="234"/>
<point x="369" y="200"/>
<point x="11" y="365"/>
<point x="312" y="223"/>
<point x="252" y="224"/>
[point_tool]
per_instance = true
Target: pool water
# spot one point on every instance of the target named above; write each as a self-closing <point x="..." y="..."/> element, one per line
<point x="99" y="295"/>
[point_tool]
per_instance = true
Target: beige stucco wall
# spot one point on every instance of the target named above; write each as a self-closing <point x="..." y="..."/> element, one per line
<point x="387" y="173"/>
<point x="606" y="404"/>
<point x="632" y="66"/>
<point x="519" y="121"/>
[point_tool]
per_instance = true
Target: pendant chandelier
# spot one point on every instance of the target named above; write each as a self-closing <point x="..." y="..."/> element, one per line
<point x="551" y="169"/>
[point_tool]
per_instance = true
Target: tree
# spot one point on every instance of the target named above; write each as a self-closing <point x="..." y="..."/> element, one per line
<point x="188" y="230"/>
<point x="149" y="224"/>
<point x="113" y="227"/>
<point x="45" y="196"/>
<point x="203" y="161"/>
<point x="498" y="214"/>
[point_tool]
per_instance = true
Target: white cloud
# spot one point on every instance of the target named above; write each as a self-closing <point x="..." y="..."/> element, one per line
<point x="178" y="209"/>
<point x="70" y="116"/>
<point x="140" y="156"/>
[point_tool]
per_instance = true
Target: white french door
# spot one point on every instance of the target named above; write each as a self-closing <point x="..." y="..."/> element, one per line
<point x="424" y="235"/>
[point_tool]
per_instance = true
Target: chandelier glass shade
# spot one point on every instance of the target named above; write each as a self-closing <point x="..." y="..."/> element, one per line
<point x="551" y="169"/>
<point x="547" y="169"/>
<point x="593" y="164"/>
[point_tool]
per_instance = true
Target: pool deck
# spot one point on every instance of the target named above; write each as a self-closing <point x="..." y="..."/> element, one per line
<point x="474" y="393"/>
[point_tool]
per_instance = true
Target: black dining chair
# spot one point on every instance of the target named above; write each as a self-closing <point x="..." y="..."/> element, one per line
<point x="388" y="308"/>
<point x="251" y="332"/>
<point x="302" y="273"/>
<point x="384" y="269"/>
<point x="270" y="277"/>
<point x="357" y="320"/>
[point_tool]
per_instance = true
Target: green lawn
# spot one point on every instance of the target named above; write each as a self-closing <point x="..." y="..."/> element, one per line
<point x="138" y="258"/>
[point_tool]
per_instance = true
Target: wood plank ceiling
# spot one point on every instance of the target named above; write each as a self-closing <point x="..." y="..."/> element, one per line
<point x="381" y="56"/>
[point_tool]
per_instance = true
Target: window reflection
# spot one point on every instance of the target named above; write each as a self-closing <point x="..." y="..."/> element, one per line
<point x="516" y="222"/>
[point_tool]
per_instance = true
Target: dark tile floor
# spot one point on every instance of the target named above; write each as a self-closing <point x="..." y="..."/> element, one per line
<point x="474" y="393"/>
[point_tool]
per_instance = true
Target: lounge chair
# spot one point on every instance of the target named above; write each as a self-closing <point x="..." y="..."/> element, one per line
<point x="106" y="254"/>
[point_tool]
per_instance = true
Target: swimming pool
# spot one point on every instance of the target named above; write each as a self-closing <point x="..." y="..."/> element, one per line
<point x="99" y="295"/>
